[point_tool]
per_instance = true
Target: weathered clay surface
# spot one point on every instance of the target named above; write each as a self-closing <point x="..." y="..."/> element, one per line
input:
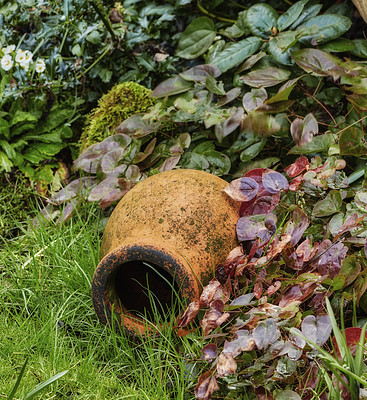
<point x="180" y="220"/>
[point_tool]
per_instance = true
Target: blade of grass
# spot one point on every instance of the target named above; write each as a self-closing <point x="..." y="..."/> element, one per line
<point x="43" y="385"/>
<point x="20" y="376"/>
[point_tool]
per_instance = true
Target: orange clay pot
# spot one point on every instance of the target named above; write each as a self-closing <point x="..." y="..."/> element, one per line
<point x="181" y="223"/>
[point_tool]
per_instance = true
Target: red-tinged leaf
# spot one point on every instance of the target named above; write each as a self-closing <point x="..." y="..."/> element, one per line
<point x="301" y="223"/>
<point x="242" y="189"/>
<point x="78" y="187"/>
<point x="297" y="167"/>
<point x="274" y="182"/>
<point x="117" y="171"/>
<point x="141" y="156"/>
<point x="210" y="351"/>
<point x="190" y="314"/>
<point x="330" y="262"/>
<point x="243" y="341"/>
<point x="206" y="386"/>
<point x="104" y="188"/>
<point x="304" y="253"/>
<point x="254" y="99"/>
<point x="208" y="292"/>
<point x="261" y="205"/>
<point x="170" y="163"/>
<point x="111" y="197"/>
<point x="295" y="183"/>
<point x="273" y="288"/>
<point x="198" y="73"/>
<point x="230" y="96"/>
<point x="276" y="248"/>
<point x="212" y="316"/>
<point x="225" y="270"/>
<point x="265" y="77"/>
<point x="351" y="223"/>
<point x="136" y="126"/>
<point x="293" y="294"/>
<point x="317" y="328"/>
<point x="111" y="160"/>
<point x="258" y="289"/>
<point x="262" y="393"/>
<point x="226" y="365"/>
<point x="352" y="337"/>
<point x="265" y="333"/>
<point x="248" y="228"/>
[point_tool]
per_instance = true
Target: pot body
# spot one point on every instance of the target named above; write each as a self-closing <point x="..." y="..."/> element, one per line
<point x="167" y="233"/>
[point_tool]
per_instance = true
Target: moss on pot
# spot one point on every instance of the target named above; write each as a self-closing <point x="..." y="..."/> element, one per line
<point x="122" y="101"/>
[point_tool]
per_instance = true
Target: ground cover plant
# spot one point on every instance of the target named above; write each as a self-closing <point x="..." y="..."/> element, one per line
<point x="271" y="97"/>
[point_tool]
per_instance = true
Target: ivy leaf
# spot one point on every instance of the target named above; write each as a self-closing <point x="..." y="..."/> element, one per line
<point x="254" y="99"/>
<point x="351" y="142"/>
<point x="265" y="333"/>
<point x="330" y="26"/>
<point x="196" y="38"/>
<point x="261" y="19"/>
<point x="319" y="144"/>
<point x="199" y="73"/>
<point x="317" y="329"/>
<point x="265" y="77"/>
<point x="302" y="131"/>
<point x="274" y="182"/>
<point x="235" y="53"/>
<point x="171" y="86"/>
<point x="242" y="189"/>
<point x="328" y="206"/>
<point x="290" y="16"/>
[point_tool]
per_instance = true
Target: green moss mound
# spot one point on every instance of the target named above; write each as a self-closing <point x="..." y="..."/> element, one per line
<point x="121" y="102"/>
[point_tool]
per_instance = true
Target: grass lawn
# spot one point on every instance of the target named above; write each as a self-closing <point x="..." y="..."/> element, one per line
<point x="46" y="314"/>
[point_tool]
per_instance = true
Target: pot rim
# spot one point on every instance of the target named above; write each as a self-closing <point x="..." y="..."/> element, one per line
<point x="104" y="300"/>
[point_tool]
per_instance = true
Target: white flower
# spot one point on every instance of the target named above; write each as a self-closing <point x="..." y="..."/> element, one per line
<point x="28" y="56"/>
<point x="6" y="62"/>
<point x="8" y="49"/>
<point x="20" y="56"/>
<point x="40" y="66"/>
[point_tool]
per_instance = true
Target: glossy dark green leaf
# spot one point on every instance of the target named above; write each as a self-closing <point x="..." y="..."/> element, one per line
<point x="280" y="48"/>
<point x="261" y="19"/>
<point x="235" y="53"/>
<point x="220" y="164"/>
<point x="319" y="144"/>
<point x="339" y="45"/>
<point x="171" y="86"/>
<point x="196" y="38"/>
<point x="351" y="142"/>
<point x="330" y="26"/>
<point x="266" y="77"/>
<point x="290" y="16"/>
<point x="252" y="151"/>
<point x="251" y="61"/>
<point x="308" y="12"/>
<point x="360" y="48"/>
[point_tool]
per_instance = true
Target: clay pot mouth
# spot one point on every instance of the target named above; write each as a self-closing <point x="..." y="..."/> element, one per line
<point x="122" y="279"/>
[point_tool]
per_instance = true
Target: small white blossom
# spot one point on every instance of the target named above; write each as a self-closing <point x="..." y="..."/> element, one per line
<point x="40" y="66"/>
<point x="28" y="56"/>
<point x="6" y="62"/>
<point x="8" y="49"/>
<point x="20" y="56"/>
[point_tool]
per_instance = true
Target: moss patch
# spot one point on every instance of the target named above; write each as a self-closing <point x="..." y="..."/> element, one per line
<point x="121" y="102"/>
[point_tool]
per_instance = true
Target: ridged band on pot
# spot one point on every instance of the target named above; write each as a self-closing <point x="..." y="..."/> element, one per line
<point x="181" y="223"/>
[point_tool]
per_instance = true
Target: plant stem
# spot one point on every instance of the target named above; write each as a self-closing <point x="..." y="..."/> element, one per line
<point x="202" y="9"/>
<point x="104" y="20"/>
<point x="94" y="63"/>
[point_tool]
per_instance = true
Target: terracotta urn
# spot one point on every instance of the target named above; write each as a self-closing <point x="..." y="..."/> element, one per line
<point x="167" y="233"/>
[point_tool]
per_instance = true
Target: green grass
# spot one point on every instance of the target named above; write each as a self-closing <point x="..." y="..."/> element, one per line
<point x="46" y="315"/>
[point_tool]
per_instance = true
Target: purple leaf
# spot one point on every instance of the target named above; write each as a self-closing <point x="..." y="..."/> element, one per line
<point x="301" y="223"/>
<point x="274" y="182"/>
<point x="141" y="156"/>
<point x="254" y="99"/>
<point x="111" y="160"/>
<point x="207" y="384"/>
<point x="118" y="171"/>
<point x="261" y="205"/>
<point x="111" y="197"/>
<point x="210" y="351"/>
<point x="78" y="187"/>
<point x="170" y="163"/>
<point x="242" y="342"/>
<point x="242" y="189"/>
<point x="317" y="329"/>
<point x="265" y="333"/>
<point x="103" y="189"/>
<point x="226" y="127"/>
<point x="302" y="131"/>
<point x="330" y="262"/>
<point x="198" y="73"/>
<point x="171" y="86"/>
<point x="248" y="228"/>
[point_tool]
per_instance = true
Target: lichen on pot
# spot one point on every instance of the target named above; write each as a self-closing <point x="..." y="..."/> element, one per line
<point x="122" y="101"/>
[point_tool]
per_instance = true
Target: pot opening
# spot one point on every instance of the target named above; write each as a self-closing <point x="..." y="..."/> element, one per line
<point x="145" y="289"/>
